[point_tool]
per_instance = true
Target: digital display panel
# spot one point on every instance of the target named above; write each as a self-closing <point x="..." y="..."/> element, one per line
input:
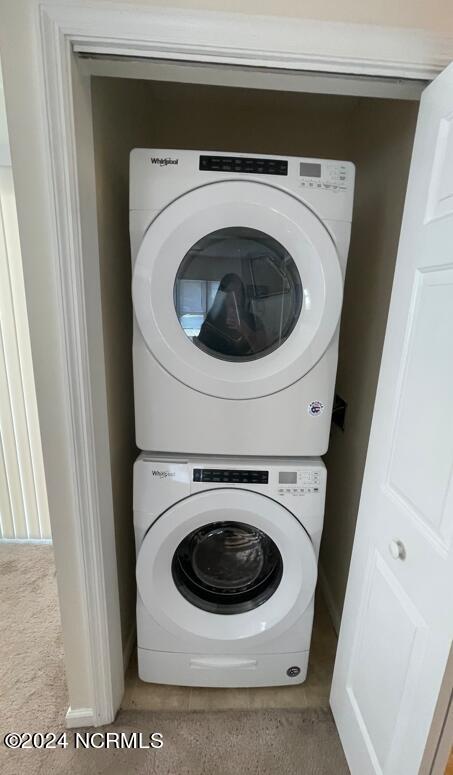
<point x="230" y="476"/>
<point x="310" y="170"/>
<point x="242" y="164"/>
<point x="287" y="477"/>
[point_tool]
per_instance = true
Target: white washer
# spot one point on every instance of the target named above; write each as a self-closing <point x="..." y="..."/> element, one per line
<point x="226" y="568"/>
<point x="238" y="269"/>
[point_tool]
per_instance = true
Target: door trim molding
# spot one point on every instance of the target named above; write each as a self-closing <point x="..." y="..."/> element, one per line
<point x="252" y="40"/>
<point x="190" y="36"/>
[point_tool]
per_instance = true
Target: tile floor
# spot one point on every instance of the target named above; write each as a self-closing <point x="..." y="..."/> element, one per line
<point x="314" y="693"/>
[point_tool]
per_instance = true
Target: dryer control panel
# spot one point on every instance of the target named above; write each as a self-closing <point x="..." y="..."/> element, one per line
<point x="159" y="176"/>
<point x="251" y="165"/>
<point x="230" y="476"/>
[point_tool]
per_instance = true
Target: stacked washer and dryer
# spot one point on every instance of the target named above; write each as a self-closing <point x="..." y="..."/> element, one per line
<point x="238" y="273"/>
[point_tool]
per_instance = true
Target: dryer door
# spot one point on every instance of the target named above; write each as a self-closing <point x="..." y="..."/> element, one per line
<point x="226" y="564"/>
<point x="237" y="289"/>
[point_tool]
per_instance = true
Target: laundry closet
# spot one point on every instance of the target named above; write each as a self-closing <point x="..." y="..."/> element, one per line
<point x="376" y="134"/>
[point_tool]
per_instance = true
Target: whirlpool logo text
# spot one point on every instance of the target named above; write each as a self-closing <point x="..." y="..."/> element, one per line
<point x="163" y="162"/>
<point x="164" y="474"/>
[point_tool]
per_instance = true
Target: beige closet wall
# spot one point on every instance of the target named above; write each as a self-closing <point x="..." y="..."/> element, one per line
<point x="377" y="136"/>
<point x="128" y="114"/>
<point x="435" y="15"/>
<point x="381" y="137"/>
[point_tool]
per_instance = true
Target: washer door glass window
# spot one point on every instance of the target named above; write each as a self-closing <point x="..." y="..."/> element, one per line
<point x="238" y="294"/>
<point x="227" y="567"/>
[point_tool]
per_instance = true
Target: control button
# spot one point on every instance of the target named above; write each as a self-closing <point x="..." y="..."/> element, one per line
<point x="197" y="475"/>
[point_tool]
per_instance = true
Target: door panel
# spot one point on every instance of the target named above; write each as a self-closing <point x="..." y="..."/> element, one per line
<point x="398" y="621"/>
<point x="389" y="642"/>
<point x="427" y="379"/>
<point x="440" y="192"/>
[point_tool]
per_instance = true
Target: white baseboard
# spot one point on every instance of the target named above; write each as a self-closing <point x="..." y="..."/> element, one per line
<point x="332" y="607"/>
<point x="79" y="717"/>
<point x="129" y="646"/>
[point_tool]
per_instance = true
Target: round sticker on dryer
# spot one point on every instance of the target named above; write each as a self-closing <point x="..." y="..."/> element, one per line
<point x="315" y="408"/>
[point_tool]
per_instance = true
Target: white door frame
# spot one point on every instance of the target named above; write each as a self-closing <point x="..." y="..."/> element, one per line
<point x="192" y="36"/>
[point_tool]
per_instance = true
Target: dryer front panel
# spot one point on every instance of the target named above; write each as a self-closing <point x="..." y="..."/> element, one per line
<point x="226" y="565"/>
<point x="237" y="289"/>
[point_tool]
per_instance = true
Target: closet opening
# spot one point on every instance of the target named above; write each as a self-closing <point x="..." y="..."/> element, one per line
<point x="376" y="134"/>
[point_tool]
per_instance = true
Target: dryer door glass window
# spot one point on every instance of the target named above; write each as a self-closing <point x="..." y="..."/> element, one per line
<point x="227" y="567"/>
<point x="238" y="294"/>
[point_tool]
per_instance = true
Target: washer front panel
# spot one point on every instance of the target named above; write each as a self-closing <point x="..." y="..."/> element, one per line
<point x="176" y="614"/>
<point x="247" y="205"/>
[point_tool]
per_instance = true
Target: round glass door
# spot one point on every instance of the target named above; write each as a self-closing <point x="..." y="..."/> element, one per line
<point x="227" y="567"/>
<point x="238" y="294"/>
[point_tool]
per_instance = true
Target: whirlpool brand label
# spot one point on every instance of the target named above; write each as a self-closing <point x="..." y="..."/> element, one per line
<point x="163" y="162"/>
<point x="315" y="408"/>
<point x="164" y="474"/>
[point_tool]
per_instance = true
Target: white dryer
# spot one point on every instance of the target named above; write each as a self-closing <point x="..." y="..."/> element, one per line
<point x="238" y="270"/>
<point x="226" y="568"/>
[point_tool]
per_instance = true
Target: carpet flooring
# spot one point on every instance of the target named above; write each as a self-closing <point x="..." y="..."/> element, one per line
<point x="33" y="698"/>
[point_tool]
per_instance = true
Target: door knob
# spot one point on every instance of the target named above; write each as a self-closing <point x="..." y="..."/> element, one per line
<point x="397" y="550"/>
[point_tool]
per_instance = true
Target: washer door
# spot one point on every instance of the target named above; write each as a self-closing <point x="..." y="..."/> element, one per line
<point x="237" y="289"/>
<point x="226" y="564"/>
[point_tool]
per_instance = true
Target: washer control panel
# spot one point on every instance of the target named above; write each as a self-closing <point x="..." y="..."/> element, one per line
<point x="296" y="483"/>
<point x="331" y="176"/>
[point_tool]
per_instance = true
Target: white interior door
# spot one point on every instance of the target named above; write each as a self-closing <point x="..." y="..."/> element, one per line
<point x="397" y="623"/>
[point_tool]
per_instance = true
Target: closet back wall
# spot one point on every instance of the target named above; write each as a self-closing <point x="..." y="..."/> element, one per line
<point x="128" y="114"/>
<point x="131" y="113"/>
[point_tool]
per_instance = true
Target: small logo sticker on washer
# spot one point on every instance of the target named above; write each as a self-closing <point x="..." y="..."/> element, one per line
<point x="315" y="408"/>
<point x="293" y="671"/>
